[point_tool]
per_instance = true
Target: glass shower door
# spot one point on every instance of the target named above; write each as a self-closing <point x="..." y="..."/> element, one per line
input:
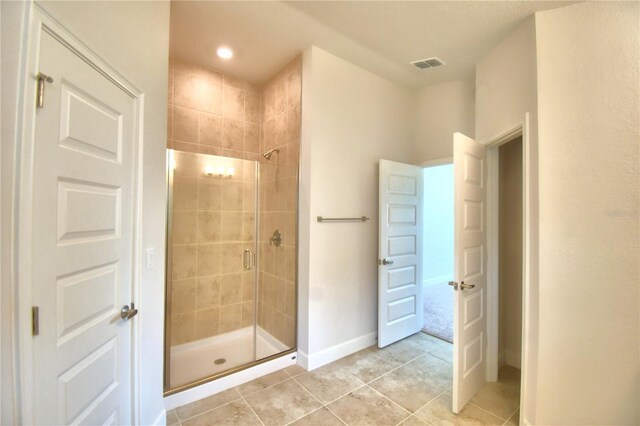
<point x="211" y="267"/>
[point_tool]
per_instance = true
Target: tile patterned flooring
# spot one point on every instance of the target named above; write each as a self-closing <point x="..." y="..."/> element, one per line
<point x="407" y="384"/>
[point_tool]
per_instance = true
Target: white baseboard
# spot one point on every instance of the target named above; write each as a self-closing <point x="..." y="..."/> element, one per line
<point x="437" y="280"/>
<point x="514" y="359"/>
<point x="328" y="355"/>
<point x="161" y="420"/>
<point x="228" y="382"/>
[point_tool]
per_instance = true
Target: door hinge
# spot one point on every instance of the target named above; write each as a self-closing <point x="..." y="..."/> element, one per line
<point x="42" y="79"/>
<point x="35" y="320"/>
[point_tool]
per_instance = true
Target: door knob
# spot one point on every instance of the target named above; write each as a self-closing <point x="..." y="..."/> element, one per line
<point x="463" y="285"/>
<point x="387" y="262"/>
<point x="126" y="313"/>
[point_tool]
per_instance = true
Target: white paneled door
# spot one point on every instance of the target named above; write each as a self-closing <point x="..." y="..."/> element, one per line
<point x="400" y="306"/>
<point x="470" y="287"/>
<point x="82" y="241"/>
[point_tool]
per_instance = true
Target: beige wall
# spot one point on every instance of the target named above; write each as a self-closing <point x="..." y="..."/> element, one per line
<point x="440" y="111"/>
<point x="351" y="119"/>
<point x="510" y="243"/>
<point x="278" y="202"/>
<point x="589" y="103"/>
<point x="213" y="221"/>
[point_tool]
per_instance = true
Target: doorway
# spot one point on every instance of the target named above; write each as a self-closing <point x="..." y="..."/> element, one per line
<point x="438" y="251"/>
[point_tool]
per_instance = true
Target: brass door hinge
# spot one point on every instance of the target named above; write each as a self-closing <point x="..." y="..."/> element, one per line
<point x="35" y="320"/>
<point x="42" y="79"/>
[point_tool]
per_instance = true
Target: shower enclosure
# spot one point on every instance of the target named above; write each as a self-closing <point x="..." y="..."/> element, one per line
<point x="224" y="310"/>
<point x="231" y="229"/>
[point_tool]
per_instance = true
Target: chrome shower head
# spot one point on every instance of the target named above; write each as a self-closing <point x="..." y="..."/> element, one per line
<point x="267" y="154"/>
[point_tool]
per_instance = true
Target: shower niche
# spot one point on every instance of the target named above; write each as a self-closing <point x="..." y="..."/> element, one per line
<point x="232" y="177"/>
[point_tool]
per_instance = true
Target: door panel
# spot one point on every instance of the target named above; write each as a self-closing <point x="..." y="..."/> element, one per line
<point x="82" y="271"/>
<point x="400" y="283"/>
<point x="470" y="325"/>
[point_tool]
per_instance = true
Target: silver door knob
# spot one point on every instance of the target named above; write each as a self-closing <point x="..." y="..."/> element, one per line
<point x="387" y="262"/>
<point x="463" y="285"/>
<point x="126" y="313"/>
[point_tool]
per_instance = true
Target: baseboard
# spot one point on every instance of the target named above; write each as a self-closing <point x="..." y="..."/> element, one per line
<point x="514" y="359"/>
<point x="334" y="353"/>
<point x="437" y="280"/>
<point x="161" y="419"/>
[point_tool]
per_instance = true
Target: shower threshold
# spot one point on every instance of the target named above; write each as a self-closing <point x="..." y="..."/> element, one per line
<point x="203" y="358"/>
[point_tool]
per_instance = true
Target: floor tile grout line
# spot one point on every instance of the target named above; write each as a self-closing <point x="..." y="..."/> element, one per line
<point x="323" y="404"/>
<point x="206" y="411"/>
<point x="429" y="402"/>
<point x="253" y="411"/>
<point x="486" y="411"/>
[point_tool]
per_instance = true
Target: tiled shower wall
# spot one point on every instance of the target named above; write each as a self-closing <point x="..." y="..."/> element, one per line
<point x="212" y="113"/>
<point x="213" y="221"/>
<point x="281" y="100"/>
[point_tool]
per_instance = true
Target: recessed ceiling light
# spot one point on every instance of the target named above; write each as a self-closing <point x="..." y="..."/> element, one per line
<point x="224" y="52"/>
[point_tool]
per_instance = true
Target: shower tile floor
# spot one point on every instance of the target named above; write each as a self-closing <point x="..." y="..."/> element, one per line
<point x="407" y="383"/>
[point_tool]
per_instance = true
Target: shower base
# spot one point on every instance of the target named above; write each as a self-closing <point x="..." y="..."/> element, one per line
<point x="203" y="358"/>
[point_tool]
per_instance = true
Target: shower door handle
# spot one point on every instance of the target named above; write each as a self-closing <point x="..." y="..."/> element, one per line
<point x="246" y="259"/>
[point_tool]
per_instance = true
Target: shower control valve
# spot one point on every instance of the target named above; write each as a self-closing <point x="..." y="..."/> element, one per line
<point x="276" y="238"/>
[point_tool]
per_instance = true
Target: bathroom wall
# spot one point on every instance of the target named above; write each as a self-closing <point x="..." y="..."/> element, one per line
<point x="213" y="221"/>
<point x="510" y="237"/>
<point x="279" y="202"/>
<point x="351" y="119"/>
<point x="440" y="111"/>
<point x="589" y="123"/>
<point x="212" y="113"/>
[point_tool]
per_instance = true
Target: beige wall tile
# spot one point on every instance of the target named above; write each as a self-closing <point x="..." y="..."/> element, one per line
<point x="247" y="314"/>
<point x="207" y="323"/>
<point x="209" y="150"/>
<point x="232" y="196"/>
<point x="252" y="108"/>
<point x="230" y="317"/>
<point x="232" y="153"/>
<point x="209" y="226"/>
<point x="231" y="226"/>
<point x="293" y="124"/>
<point x="185" y="125"/>
<point x="281" y="96"/>
<point x="232" y="134"/>
<point x="185" y="146"/>
<point x="252" y="137"/>
<point x="183" y="328"/>
<point x="187" y="164"/>
<point x="183" y="229"/>
<point x="248" y="226"/>
<point x="208" y="259"/>
<point x="233" y="103"/>
<point x="183" y="296"/>
<point x="249" y="196"/>
<point x="248" y="285"/>
<point x="230" y="258"/>
<point x="183" y="263"/>
<point x="198" y="89"/>
<point x="230" y="289"/>
<point x="209" y="129"/>
<point x="289" y="298"/>
<point x="209" y="194"/>
<point x="233" y="82"/>
<point x="185" y="193"/>
<point x="290" y="264"/>
<point x="208" y="292"/>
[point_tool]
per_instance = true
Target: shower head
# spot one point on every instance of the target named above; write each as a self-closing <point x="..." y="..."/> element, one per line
<point x="267" y="154"/>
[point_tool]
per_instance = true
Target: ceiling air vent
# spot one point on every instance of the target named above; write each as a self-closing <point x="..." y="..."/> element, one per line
<point x="428" y="63"/>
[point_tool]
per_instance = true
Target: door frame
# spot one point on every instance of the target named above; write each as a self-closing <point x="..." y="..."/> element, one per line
<point x="41" y="21"/>
<point x="529" y="171"/>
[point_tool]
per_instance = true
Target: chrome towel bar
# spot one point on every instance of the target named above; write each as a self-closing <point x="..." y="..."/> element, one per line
<point x="343" y="219"/>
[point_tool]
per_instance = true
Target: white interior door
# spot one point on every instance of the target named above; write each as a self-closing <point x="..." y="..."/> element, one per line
<point x="400" y="306"/>
<point x="82" y="242"/>
<point x="470" y="251"/>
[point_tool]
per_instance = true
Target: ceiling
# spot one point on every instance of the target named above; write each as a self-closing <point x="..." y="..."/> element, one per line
<point x="381" y="36"/>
